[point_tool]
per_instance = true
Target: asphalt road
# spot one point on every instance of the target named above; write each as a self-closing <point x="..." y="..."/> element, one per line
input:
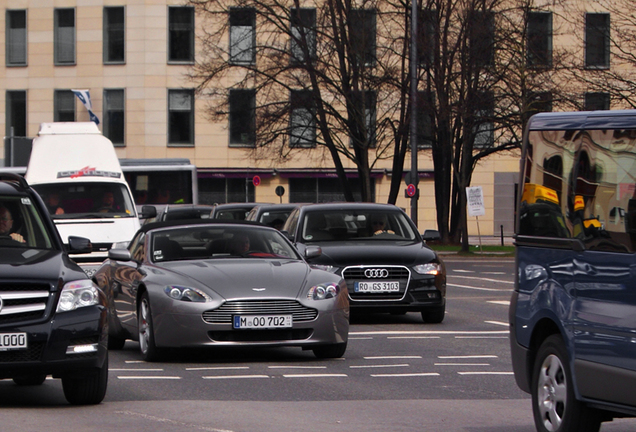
<point x="398" y="374"/>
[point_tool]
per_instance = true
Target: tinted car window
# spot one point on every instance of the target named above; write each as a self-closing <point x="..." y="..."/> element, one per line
<point x="22" y="218"/>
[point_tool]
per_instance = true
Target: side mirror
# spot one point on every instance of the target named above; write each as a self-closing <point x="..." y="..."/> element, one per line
<point x="431" y="235"/>
<point x="148" y="212"/>
<point x="119" y="255"/>
<point x="79" y="245"/>
<point x="313" y="252"/>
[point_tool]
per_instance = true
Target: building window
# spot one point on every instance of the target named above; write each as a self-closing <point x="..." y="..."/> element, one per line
<point x="319" y="190"/>
<point x="428" y="35"/>
<point x="64" y="106"/>
<point x="16" y="44"/>
<point x="425" y="110"/>
<point x="302" y="119"/>
<point x="242" y="35"/>
<point x="181" y="34"/>
<point x="539" y="102"/>
<point x="484" y="127"/>
<point x="243" y="117"/>
<point x="482" y="37"/>
<point x="114" y="119"/>
<point x="363" y="35"/>
<point x="64" y="36"/>
<point x="303" y="34"/>
<point x="16" y="113"/>
<point x="597" y="101"/>
<point x="180" y="116"/>
<point x="365" y="104"/>
<point x="539" y="49"/>
<point x="114" y="35"/>
<point x="225" y="190"/>
<point x="597" y="40"/>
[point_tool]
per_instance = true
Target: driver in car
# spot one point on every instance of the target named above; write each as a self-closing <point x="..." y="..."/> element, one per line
<point x="6" y="225"/>
<point x="239" y="244"/>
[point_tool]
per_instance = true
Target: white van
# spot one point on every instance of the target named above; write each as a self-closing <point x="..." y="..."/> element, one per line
<point x="76" y="171"/>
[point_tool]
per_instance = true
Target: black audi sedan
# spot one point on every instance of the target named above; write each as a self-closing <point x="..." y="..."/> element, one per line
<point x="379" y="252"/>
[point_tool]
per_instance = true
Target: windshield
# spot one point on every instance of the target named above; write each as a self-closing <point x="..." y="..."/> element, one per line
<point x="205" y="242"/>
<point x="21" y="225"/>
<point x="86" y="200"/>
<point x="340" y="225"/>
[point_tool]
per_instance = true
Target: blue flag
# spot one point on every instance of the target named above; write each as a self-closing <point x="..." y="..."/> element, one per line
<point x="85" y="97"/>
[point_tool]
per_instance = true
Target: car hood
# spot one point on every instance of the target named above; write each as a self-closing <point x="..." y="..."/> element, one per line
<point x="244" y="277"/>
<point x="38" y="264"/>
<point x="343" y="254"/>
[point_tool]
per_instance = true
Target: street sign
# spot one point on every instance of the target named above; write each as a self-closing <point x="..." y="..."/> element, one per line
<point x="280" y="191"/>
<point x="411" y="190"/>
<point x="256" y="180"/>
<point x="475" y="201"/>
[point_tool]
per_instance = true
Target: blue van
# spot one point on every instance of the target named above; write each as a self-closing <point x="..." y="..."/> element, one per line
<point x="573" y="311"/>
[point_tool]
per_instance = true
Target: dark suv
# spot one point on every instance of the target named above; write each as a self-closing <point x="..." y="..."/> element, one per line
<point x="53" y="319"/>
<point x="379" y="252"/>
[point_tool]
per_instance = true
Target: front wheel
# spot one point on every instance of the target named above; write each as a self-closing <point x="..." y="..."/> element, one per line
<point x="554" y="405"/>
<point x="434" y="315"/>
<point x="330" y="351"/>
<point x="149" y="350"/>
<point x="87" y="389"/>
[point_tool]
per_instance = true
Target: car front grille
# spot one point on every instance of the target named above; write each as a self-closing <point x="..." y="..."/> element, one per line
<point x="31" y="354"/>
<point x="273" y="335"/>
<point x="223" y="315"/>
<point x="23" y="302"/>
<point x="355" y="274"/>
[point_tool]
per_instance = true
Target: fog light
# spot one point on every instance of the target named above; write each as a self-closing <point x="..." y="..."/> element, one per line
<point x="432" y="295"/>
<point x="81" y="349"/>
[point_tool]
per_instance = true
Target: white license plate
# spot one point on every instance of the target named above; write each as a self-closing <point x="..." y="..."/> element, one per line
<point x="12" y="341"/>
<point x="262" y="321"/>
<point x="377" y="286"/>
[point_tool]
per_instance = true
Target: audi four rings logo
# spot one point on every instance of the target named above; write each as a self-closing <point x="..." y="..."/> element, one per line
<point x="376" y="273"/>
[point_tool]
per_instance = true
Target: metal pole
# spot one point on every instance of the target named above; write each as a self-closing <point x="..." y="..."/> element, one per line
<point x="413" y="124"/>
<point x="12" y="148"/>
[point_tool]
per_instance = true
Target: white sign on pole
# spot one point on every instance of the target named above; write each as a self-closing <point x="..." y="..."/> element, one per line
<point x="475" y="199"/>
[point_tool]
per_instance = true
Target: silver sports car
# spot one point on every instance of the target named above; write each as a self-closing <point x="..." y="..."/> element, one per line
<point x="208" y="282"/>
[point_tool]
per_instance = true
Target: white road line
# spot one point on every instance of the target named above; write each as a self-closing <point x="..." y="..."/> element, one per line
<point x="297" y="367"/>
<point x="427" y="374"/>
<point x="135" y="370"/>
<point x="379" y="366"/>
<point x="316" y="376"/>
<point x="433" y="332"/>
<point x="393" y="357"/>
<point x="360" y="338"/>
<point x="217" y="368"/>
<point x="477" y="288"/>
<point x="463" y="271"/>
<point x="500" y="302"/>
<point x="484" y="279"/>
<point x="212" y="377"/>
<point x="134" y="361"/>
<point x="499" y="323"/>
<point x="413" y="337"/>
<point x="485" y="373"/>
<point x="481" y="337"/>
<point x="462" y="364"/>
<point x="466" y="357"/>
<point x="148" y="377"/>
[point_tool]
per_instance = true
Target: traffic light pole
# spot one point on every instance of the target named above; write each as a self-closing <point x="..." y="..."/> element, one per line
<point x="413" y="124"/>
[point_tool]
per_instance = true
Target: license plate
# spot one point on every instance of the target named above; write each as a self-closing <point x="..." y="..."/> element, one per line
<point x="13" y="341"/>
<point x="262" y="321"/>
<point x="376" y="286"/>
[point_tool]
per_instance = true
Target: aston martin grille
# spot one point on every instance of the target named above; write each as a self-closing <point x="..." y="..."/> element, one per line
<point x="223" y="315"/>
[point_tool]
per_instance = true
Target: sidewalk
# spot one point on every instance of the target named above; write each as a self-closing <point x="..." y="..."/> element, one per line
<point x="490" y="240"/>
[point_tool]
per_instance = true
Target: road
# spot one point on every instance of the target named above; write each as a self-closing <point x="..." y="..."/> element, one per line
<point x="398" y="374"/>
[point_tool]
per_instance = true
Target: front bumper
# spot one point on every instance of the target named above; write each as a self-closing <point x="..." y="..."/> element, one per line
<point x="49" y="342"/>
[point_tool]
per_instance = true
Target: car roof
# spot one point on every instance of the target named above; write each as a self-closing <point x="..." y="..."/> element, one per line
<point x="190" y="222"/>
<point x="13" y="184"/>
<point x="349" y="206"/>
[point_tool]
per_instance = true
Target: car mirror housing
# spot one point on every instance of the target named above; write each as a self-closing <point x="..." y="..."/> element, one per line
<point x="313" y="252"/>
<point x="148" y="212"/>
<point x="119" y="255"/>
<point x="431" y="235"/>
<point x="79" y="245"/>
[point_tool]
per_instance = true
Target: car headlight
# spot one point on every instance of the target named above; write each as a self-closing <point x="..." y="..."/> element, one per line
<point x="323" y="291"/>
<point x="186" y="294"/>
<point x="77" y="294"/>
<point x="428" y="268"/>
<point x="329" y="268"/>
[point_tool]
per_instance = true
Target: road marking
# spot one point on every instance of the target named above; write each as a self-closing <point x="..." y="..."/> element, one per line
<point x="178" y="425"/>
<point x="477" y="288"/>
<point x="131" y="377"/>
<point x="212" y="377"/>
<point x="135" y="370"/>
<point x="499" y="323"/>
<point x="500" y="302"/>
<point x="297" y="367"/>
<point x="379" y="366"/>
<point x="360" y="338"/>
<point x="493" y="273"/>
<point x="484" y="279"/>
<point x="461" y="364"/>
<point x="315" y="376"/>
<point x="485" y="373"/>
<point x="426" y="374"/>
<point x="413" y="337"/>
<point x="482" y="337"/>
<point x="217" y="368"/>
<point x="466" y="357"/>
<point x="134" y="361"/>
<point x="433" y="332"/>
<point x="393" y="357"/>
<point x="463" y="271"/>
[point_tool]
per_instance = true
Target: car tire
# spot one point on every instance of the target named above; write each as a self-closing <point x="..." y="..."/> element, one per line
<point x="89" y="388"/>
<point x="116" y="343"/>
<point x="149" y="350"/>
<point x="30" y="380"/>
<point x="554" y="405"/>
<point x="330" y="351"/>
<point x="434" y="315"/>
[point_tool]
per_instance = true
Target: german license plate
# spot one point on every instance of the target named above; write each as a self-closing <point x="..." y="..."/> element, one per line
<point x="376" y="287"/>
<point x="13" y="341"/>
<point x="262" y="321"/>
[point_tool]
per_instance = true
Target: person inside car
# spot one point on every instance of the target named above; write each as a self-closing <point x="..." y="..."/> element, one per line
<point x="53" y="204"/>
<point x="239" y="244"/>
<point x="379" y="224"/>
<point x="6" y="226"/>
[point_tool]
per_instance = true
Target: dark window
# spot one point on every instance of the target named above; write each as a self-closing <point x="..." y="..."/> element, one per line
<point x="597" y="39"/>
<point x="302" y="119"/>
<point x="484" y="127"/>
<point x="482" y="37"/>
<point x="363" y="33"/>
<point x="425" y="112"/>
<point x="539" y="49"/>
<point x="16" y="44"/>
<point x="180" y="117"/>
<point x="242" y="35"/>
<point x="243" y="117"/>
<point x="221" y="190"/>
<point x="364" y="124"/>
<point x="428" y="35"/>
<point x="16" y="113"/>
<point x="597" y="101"/>
<point x="114" y="119"/>
<point x="323" y="189"/>
<point x="64" y="36"/>
<point x="303" y="34"/>
<point x="114" y="35"/>
<point x="64" y="101"/>
<point x="539" y="102"/>
<point x="181" y="34"/>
